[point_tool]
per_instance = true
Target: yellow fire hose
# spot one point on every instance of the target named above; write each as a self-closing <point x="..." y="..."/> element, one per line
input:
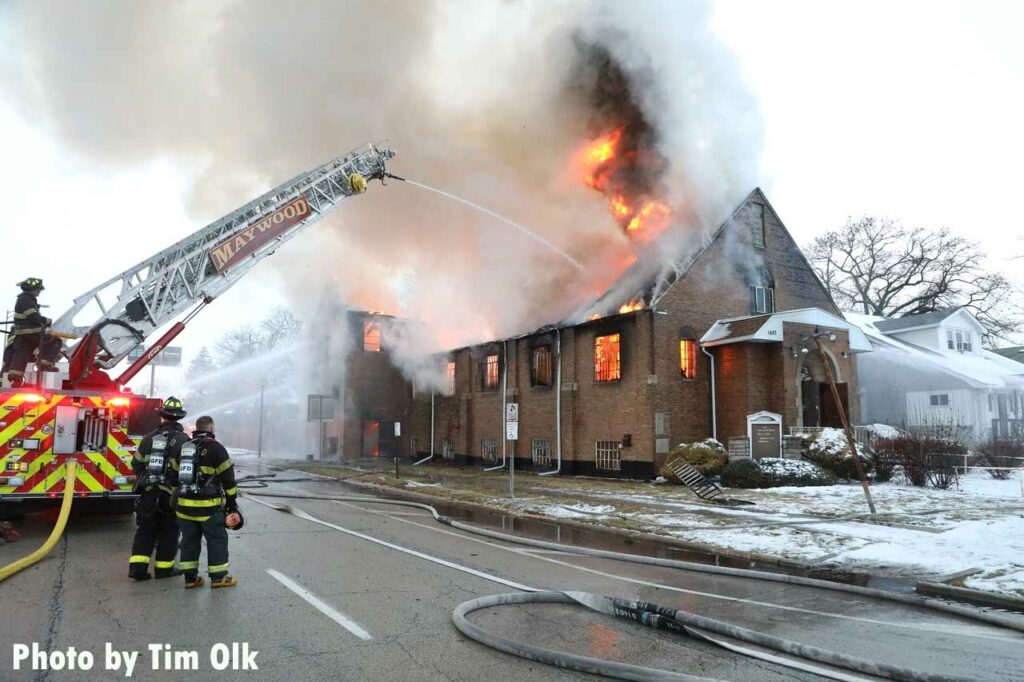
<point x="58" y="530"/>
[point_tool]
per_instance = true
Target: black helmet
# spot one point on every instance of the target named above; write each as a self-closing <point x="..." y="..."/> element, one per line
<point x="31" y="284"/>
<point x="172" y="409"/>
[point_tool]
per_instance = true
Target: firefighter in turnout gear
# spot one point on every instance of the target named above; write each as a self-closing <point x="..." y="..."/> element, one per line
<point x="28" y="335"/>
<point x="205" y="494"/>
<point x="154" y="470"/>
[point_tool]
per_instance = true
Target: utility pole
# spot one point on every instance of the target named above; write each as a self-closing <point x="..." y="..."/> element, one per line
<point x="843" y="418"/>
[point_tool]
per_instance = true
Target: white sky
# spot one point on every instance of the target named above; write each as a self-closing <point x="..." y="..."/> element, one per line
<point x="909" y="110"/>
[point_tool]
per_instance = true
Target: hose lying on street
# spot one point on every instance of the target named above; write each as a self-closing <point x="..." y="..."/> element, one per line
<point x="58" y="530"/>
<point x="666" y="618"/>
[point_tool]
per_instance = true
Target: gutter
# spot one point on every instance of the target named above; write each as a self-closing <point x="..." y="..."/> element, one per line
<point x="431" y="455"/>
<point x="714" y="402"/>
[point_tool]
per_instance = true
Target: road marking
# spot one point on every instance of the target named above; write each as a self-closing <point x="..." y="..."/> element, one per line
<point x="412" y="552"/>
<point x="322" y="606"/>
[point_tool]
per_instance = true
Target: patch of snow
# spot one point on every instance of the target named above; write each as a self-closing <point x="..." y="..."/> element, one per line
<point x="883" y="430"/>
<point x="832" y="443"/>
<point x="788" y="467"/>
<point x="416" y="484"/>
<point x="1005" y="580"/>
<point x="576" y="511"/>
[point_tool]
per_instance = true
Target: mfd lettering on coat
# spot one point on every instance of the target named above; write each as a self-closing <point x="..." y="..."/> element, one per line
<point x="230" y="251"/>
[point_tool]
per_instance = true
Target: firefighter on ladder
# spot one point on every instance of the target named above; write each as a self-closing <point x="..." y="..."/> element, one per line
<point x="154" y="468"/>
<point x="28" y="336"/>
<point x="206" y="502"/>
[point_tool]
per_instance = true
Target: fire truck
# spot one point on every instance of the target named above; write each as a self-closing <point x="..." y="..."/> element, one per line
<point x="90" y="415"/>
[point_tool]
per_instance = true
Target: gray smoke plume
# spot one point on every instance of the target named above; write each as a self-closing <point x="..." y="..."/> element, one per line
<point x="481" y="99"/>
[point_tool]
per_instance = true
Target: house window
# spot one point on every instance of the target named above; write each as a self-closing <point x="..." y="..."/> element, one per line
<point x="449" y="372"/>
<point x="489" y="373"/>
<point x="939" y="399"/>
<point x="688" y="358"/>
<point x="758" y="227"/>
<point x="371" y="336"/>
<point x="489" y="449"/>
<point x="448" y="449"/>
<point x="607" y="365"/>
<point x="762" y="300"/>
<point x="608" y="455"/>
<point x="541" y="451"/>
<point x="540" y="366"/>
<point x="949" y="340"/>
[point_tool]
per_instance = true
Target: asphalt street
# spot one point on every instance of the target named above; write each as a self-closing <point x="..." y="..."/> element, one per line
<point x="372" y="599"/>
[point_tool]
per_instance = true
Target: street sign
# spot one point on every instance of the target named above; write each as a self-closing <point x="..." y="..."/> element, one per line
<point x="168" y="357"/>
<point x="512" y="421"/>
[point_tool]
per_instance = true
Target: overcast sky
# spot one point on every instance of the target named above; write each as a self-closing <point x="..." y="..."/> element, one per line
<point x="909" y="110"/>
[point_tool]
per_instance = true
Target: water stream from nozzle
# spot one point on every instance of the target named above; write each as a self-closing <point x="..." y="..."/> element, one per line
<point x="529" y="233"/>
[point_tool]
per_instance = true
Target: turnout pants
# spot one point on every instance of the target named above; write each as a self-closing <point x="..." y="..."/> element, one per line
<point x="156" y="525"/>
<point x="20" y="348"/>
<point x="192" y="534"/>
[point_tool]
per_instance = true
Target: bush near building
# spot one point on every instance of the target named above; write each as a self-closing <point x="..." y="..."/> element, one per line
<point x="1001" y="454"/>
<point x="707" y="456"/>
<point x="770" y="472"/>
<point x="829" y="450"/>
<point x="924" y="458"/>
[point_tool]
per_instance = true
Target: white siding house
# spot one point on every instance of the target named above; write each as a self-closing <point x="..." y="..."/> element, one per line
<point x="931" y="371"/>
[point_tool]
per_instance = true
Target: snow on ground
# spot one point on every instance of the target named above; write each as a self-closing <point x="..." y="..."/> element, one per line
<point x="574" y="511"/>
<point x="1007" y="580"/>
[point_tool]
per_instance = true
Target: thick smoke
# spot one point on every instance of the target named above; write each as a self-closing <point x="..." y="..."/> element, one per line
<point x="482" y="99"/>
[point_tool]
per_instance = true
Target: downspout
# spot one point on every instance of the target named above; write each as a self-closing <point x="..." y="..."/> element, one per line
<point x="431" y="455"/>
<point x="504" y="397"/>
<point x="714" y="402"/>
<point x="558" y="405"/>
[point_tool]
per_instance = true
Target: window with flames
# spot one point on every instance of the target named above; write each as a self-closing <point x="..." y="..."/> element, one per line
<point x="489" y="373"/>
<point x="450" y="377"/>
<point x="607" y="361"/>
<point x="688" y="358"/>
<point x="371" y="336"/>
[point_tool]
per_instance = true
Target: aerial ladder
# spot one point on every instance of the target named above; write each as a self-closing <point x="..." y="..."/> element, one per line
<point x="92" y="418"/>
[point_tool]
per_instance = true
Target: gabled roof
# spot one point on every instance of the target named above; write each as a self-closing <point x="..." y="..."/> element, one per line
<point x="1013" y="352"/>
<point x="915" y="321"/>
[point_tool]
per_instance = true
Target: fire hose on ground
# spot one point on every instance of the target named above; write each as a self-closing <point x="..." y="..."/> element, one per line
<point x="675" y="620"/>
<point x="55" y="535"/>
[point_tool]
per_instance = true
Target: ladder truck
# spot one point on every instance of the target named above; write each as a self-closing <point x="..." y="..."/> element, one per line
<point x="92" y="417"/>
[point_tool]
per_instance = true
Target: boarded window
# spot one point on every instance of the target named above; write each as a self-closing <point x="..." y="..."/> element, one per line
<point x="541" y="451"/>
<point x="450" y="376"/>
<point x="758" y="227"/>
<point x="371" y="336"/>
<point x="489" y="449"/>
<point x="489" y="373"/>
<point x="688" y="358"/>
<point x="540" y="366"/>
<point x="608" y="455"/>
<point x="762" y="300"/>
<point x="607" y="361"/>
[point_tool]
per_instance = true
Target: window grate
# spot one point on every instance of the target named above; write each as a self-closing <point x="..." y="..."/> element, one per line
<point x="489" y="449"/>
<point x="541" y="451"/>
<point x="608" y="455"/>
<point x="448" y="449"/>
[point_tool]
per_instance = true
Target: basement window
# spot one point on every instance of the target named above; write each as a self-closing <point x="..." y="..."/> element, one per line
<point x="371" y="336"/>
<point x="489" y="373"/>
<point x="688" y="358"/>
<point x="762" y="300"/>
<point x="540" y="366"/>
<point x="449" y="372"/>
<point x="608" y="455"/>
<point x="607" y="362"/>
<point x="489" y="449"/>
<point x="541" y="451"/>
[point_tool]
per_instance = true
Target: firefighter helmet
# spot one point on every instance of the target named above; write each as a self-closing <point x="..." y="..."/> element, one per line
<point x="234" y="520"/>
<point x="172" y="409"/>
<point x="31" y="284"/>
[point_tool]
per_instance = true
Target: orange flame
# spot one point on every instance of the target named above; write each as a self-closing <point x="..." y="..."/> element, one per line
<point x="635" y="304"/>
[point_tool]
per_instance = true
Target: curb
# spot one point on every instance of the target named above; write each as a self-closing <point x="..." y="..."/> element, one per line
<point x="970" y="595"/>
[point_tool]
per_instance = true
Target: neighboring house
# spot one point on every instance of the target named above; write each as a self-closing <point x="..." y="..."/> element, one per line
<point x="930" y="371"/>
<point x="1013" y="352"/>
<point x="615" y="386"/>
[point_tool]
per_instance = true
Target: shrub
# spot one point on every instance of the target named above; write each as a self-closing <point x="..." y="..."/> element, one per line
<point x="883" y="467"/>
<point x="924" y="458"/>
<point x="770" y="472"/>
<point x="1001" y="453"/>
<point x="707" y="456"/>
<point x="830" y="450"/>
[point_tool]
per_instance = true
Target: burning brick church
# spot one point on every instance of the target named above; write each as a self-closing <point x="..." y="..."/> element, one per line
<point x="710" y="349"/>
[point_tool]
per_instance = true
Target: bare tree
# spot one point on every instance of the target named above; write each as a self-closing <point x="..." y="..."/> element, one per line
<point x="879" y="267"/>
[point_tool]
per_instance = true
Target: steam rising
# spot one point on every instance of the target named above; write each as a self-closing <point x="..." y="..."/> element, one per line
<point x="487" y="100"/>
